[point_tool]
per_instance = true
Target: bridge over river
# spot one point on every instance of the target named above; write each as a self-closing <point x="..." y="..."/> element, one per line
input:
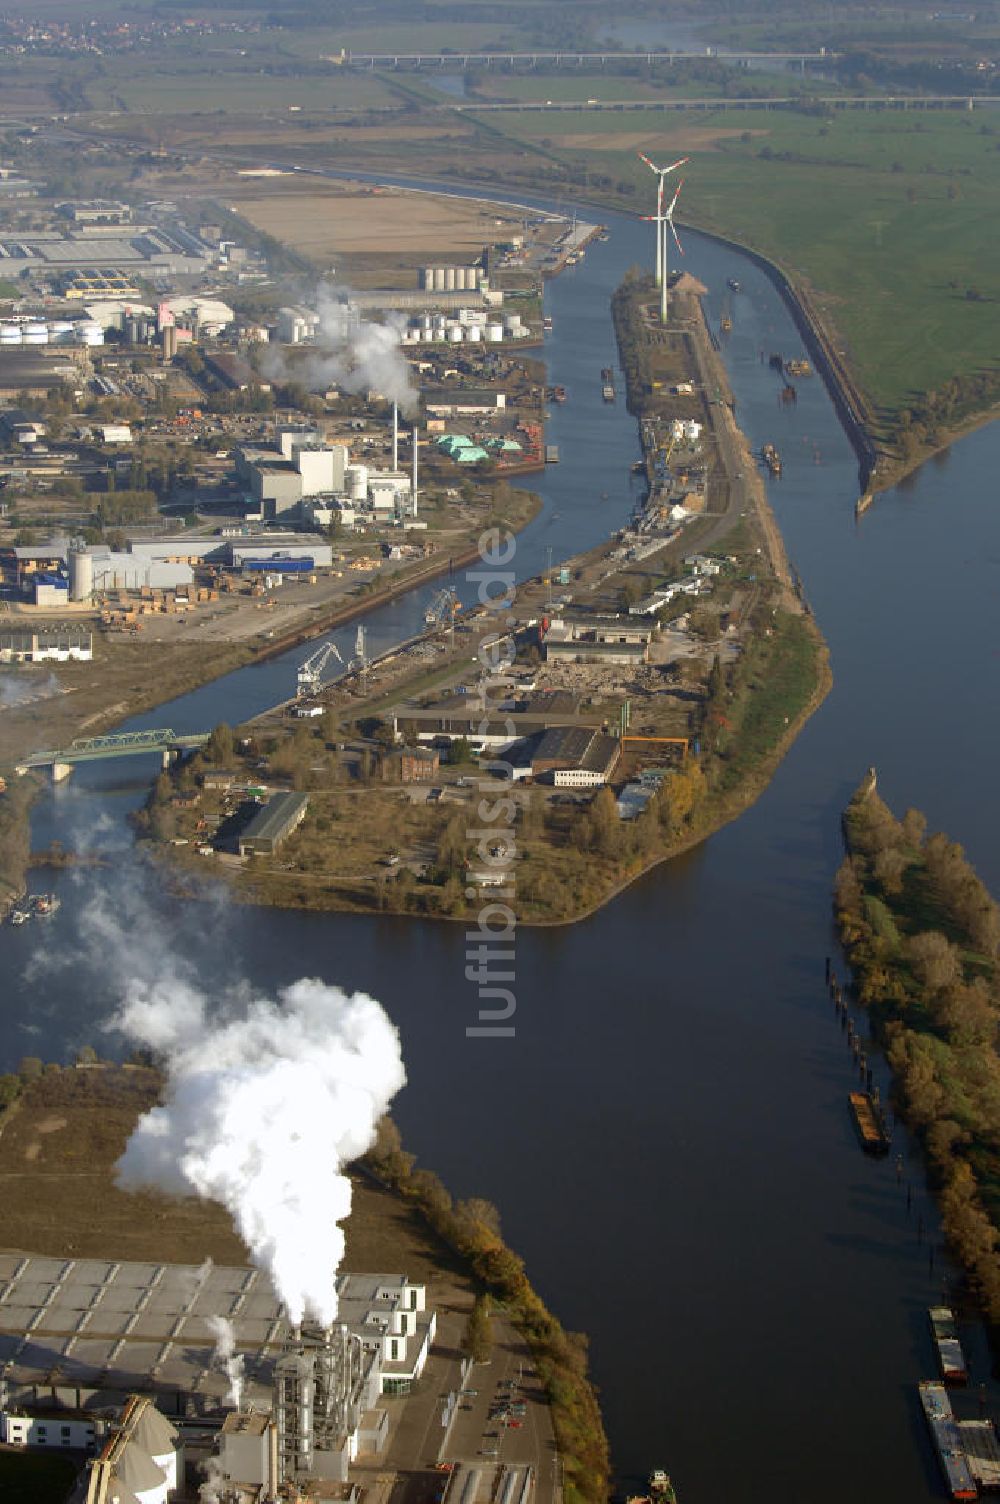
<point x="167" y="743"/>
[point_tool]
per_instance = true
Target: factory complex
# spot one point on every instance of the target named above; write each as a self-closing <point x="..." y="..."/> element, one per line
<point x="82" y="1338"/>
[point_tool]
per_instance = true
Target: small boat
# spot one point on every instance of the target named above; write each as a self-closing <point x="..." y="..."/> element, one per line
<point x="726" y="324"/>
<point x="44" y="904"/>
<point x="798" y="368"/>
<point x="733" y="285"/>
<point x="789" y="394"/>
<point x="547" y="323"/>
<point x="947" y="1440"/>
<point x="869" y="1121"/>
<point x="951" y="1358"/>
<point x="608" y="392"/>
<point x="19" y="916"/>
<point x="771" y="458"/>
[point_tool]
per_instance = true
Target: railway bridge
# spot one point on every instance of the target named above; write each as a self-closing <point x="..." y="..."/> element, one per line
<point x="62" y="760"/>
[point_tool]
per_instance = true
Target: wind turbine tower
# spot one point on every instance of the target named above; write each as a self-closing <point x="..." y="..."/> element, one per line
<point x="661" y="239"/>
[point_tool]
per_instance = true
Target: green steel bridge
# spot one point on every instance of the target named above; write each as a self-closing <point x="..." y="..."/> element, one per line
<point x="117" y="744"/>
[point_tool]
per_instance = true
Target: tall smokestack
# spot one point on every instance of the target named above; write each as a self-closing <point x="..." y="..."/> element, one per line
<point x="416" y="436"/>
<point x="395" y="437"/>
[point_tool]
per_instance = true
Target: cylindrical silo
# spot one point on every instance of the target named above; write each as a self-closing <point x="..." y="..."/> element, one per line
<point x="10" y="334"/>
<point x="36" y="334"/>
<point x="439" y="279"/>
<point x="81" y="575"/>
<point x="356" y="477"/>
<point x="474" y="333"/>
<point x="455" y="334"/>
<point x="427" y="278"/>
<point x="449" y="279"/>
<point x="494" y="333"/>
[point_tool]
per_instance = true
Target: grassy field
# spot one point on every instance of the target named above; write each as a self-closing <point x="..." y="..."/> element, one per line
<point x="33" y="1478"/>
<point x="209" y="91"/>
<point x="888" y="217"/>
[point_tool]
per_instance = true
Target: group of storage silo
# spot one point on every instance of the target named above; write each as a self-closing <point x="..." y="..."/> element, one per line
<point x="451" y="278"/>
<point x="469" y="326"/>
<point x="34" y="333"/>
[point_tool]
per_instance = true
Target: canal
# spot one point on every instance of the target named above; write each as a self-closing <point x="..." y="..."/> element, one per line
<point x="666" y="1136"/>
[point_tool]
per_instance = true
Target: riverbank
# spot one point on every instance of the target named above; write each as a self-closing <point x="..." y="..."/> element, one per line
<point x="921" y="934"/>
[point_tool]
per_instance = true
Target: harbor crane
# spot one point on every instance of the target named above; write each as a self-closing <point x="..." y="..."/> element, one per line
<point x="309" y="680"/>
<point x="442" y="608"/>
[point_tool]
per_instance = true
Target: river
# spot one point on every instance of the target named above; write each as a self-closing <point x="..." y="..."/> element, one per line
<point x="667" y="1136"/>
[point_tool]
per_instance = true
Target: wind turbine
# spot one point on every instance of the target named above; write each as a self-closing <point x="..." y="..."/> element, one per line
<point x="663" y="218"/>
<point x="661" y="240"/>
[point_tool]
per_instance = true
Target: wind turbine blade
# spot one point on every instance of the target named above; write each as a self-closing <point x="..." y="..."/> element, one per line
<point x="674" y="165"/>
<point x="677" y="238"/>
<point x="643" y="158"/>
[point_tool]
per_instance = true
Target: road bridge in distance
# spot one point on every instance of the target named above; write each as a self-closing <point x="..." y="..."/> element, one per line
<point x="574" y="59"/>
<point x="62" y="760"/>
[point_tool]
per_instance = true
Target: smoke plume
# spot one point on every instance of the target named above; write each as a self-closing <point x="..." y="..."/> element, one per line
<point x="350" y="351"/>
<point x="227" y="1357"/>
<point x="264" y="1108"/>
<point x="16" y="690"/>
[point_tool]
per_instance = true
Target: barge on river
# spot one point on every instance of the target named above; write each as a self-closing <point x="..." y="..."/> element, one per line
<point x="870" y="1122"/>
<point x="947" y="1440"/>
<point x="771" y="458"/>
<point x="951" y="1358"/>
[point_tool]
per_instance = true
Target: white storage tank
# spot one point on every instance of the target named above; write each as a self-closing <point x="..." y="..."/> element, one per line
<point x="494" y="333"/>
<point x="449" y="279"/>
<point x="88" y="332"/>
<point x="455" y="334"/>
<point x="61" y="332"/>
<point x="36" y="334"/>
<point x="427" y="336"/>
<point x="427" y="278"/>
<point x="10" y="334"/>
<point x="474" y="333"/>
<point x="81" y="575"/>
<point x="356" y="480"/>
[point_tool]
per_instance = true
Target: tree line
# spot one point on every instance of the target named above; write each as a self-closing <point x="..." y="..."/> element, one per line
<point x="922" y="935"/>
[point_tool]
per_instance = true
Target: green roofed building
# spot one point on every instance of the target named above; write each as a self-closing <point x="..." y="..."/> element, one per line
<point x="471" y="455"/>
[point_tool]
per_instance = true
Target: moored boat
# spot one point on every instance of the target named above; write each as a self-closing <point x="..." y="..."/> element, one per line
<point x="947" y="1440"/>
<point x="43" y="904"/>
<point x="771" y="458"/>
<point x="733" y="285"/>
<point x="951" y="1358"/>
<point x="870" y="1122"/>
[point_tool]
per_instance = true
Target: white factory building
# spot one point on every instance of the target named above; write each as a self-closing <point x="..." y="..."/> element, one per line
<point x="303" y="474"/>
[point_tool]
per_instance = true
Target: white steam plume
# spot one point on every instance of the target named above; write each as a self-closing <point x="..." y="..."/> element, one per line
<point x="351" y="351"/>
<point x="16" y="690"/>
<point x="263" y="1111"/>
<point x="227" y="1357"/>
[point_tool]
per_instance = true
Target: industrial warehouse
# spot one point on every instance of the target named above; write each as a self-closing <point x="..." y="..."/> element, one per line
<point x="79" y="1336"/>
